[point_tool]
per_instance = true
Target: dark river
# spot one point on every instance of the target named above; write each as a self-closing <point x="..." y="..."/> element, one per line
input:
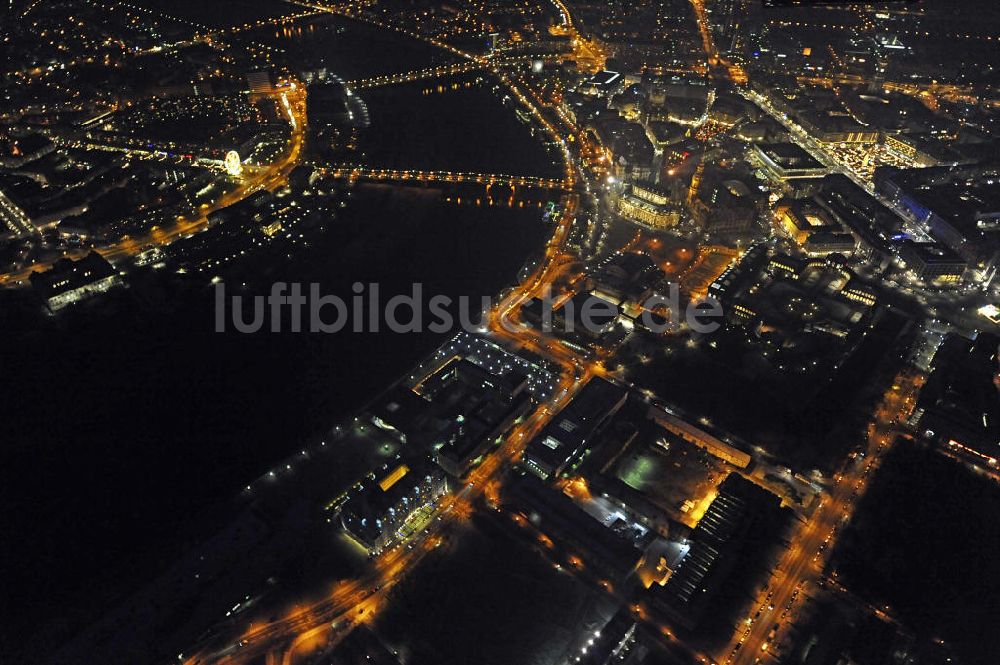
<point x="129" y="422"/>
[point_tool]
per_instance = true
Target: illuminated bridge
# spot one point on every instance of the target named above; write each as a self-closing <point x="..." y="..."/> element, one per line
<point x="436" y="72"/>
<point x="401" y="175"/>
<point x="416" y="75"/>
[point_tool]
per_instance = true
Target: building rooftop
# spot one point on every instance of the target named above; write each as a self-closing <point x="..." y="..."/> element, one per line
<point x="932" y="253"/>
<point x="604" y="78"/>
<point x="400" y="409"/>
<point x="67" y="275"/>
<point x="562" y="518"/>
<point x="960" y="401"/>
<point x="716" y="545"/>
<point x="858" y="210"/>
<point x="397" y="485"/>
<point x="806" y="217"/>
<point x="569" y="431"/>
<point x="788" y="156"/>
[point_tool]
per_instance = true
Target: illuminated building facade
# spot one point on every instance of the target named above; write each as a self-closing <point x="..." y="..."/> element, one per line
<point x="379" y="509"/>
<point x="646" y="205"/>
<point x="785" y="266"/>
<point x="785" y="161"/>
<point x="814" y="229"/>
<point x="833" y="128"/>
<point x="70" y="281"/>
<point x="822" y="244"/>
<point x="800" y="220"/>
<point x="922" y="150"/>
<point x="860" y="293"/>
<point x="933" y="262"/>
<point x="14" y="218"/>
<point x="699" y="437"/>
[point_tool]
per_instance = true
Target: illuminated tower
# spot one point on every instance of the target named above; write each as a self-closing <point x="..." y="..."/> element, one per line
<point x="696" y="182"/>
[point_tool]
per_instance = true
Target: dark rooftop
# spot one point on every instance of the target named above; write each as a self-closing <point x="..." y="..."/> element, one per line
<point x="67" y="275"/>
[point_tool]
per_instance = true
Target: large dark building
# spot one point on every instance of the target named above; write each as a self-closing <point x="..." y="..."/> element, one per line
<point x="377" y="509"/>
<point x="785" y="161"/>
<point x="735" y="528"/>
<point x="612" y="643"/>
<point x="70" y="281"/>
<point x="959" y="207"/>
<point x="456" y="414"/>
<point x="933" y="262"/>
<point x="478" y="407"/>
<point x="606" y="551"/>
<point x="729" y="208"/>
<point x="566" y="437"/>
<point x="869" y="220"/>
<point x="959" y="406"/>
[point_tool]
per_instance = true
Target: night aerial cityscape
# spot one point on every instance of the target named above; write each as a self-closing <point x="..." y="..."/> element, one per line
<point x="500" y="332"/>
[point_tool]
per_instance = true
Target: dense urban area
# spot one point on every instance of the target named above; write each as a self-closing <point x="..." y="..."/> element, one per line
<point x="732" y="396"/>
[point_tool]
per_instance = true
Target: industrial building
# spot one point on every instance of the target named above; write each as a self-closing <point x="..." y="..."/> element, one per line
<point x="456" y="413"/>
<point x="612" y="643"/>
<point x="731" y="531"/>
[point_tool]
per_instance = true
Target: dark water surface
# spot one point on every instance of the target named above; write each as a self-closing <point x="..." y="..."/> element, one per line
<point x="125" y="424"/>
